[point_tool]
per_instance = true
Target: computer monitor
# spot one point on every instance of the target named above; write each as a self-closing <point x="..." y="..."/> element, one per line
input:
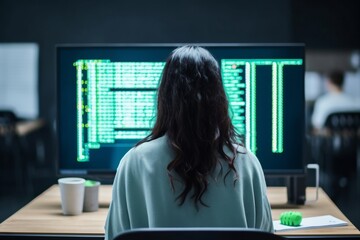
<point x="106" y="102"/>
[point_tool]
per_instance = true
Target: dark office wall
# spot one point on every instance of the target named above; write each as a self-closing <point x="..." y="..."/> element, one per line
<point x="330" y="24"/>
<point x="114" y="21"/>
<point x="326" y="24"/>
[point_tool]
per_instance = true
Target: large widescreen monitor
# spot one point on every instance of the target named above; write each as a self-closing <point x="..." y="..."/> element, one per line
<point x="106" y="101"/>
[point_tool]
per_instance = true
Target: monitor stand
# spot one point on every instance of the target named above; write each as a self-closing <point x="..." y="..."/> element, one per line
<point x="296" y="189"/>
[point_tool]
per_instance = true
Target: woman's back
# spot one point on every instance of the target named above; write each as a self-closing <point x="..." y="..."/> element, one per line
<point x="144" y="189"/>
<point x="189" y="172"/>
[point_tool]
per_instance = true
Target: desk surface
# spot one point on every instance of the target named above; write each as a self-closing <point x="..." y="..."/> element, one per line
<point x="25" y="127"/>
<point x="43" y="215"/>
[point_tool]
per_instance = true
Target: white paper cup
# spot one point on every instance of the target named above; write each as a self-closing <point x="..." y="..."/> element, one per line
<point x="72" y="195"/>
<point x="91" y="197"/>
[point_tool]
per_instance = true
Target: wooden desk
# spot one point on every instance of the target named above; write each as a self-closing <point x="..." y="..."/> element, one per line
<point x="324" y="206"/>
<point x="43" y="215"/>
<point x="25" y="127"/>
<point x="22" y="128"/>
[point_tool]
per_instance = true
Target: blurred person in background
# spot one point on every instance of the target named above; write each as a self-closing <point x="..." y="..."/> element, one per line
<point x="334" y="100"/>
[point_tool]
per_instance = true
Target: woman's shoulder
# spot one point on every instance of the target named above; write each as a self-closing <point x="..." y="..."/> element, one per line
<point x="155" y="146"/>
<point x="148" y="152"/>
<point x="246" y="159"/>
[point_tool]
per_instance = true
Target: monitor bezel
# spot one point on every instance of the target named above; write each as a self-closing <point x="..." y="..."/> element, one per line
<point x="109" y="174"/>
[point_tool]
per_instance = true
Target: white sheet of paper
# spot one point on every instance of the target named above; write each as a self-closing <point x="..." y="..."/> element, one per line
<point x="311" y="222"/>
<point x="19" y="78"/>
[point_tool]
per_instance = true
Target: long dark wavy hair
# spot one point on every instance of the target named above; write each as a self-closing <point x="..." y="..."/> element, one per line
<point x="192" y="110"/>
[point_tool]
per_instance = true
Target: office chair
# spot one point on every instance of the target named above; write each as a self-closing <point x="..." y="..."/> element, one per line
<point x="196" y="234"/>
<point x="342" y="146"/>
<point x="8" y="136"/>
<point x="10" y="150"/>
<point x="343" y="121"/>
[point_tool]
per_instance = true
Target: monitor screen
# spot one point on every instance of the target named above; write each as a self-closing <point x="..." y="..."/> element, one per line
<point x="107" y="101"/>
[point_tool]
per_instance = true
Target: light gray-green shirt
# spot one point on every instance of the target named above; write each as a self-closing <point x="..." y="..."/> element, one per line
<point x="143" y="197"/>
